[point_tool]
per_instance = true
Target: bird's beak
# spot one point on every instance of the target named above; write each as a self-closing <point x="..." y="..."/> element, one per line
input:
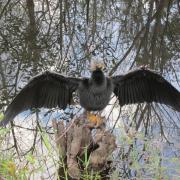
<point x="97" y="65"/>
<point x="100" y="66"/>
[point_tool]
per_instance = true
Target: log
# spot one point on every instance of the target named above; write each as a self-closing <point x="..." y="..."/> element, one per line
<point x="83" y="146"/>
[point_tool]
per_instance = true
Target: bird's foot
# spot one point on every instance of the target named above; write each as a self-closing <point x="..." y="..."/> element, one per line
<point x="96" y="120"/>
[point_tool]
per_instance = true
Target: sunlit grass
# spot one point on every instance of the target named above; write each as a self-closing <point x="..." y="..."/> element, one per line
<point x="141" y="156"/>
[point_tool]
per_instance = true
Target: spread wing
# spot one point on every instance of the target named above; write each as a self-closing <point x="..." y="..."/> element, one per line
<point x="45" y="90"/>
<point x="144" y="85"/>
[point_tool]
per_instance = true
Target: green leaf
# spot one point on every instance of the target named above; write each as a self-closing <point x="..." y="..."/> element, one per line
<point x="1" y="116"/>
<point x="30" y="158"/>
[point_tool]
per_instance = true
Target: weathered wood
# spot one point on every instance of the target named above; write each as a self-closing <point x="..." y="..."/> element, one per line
<point x="76" y="141"/>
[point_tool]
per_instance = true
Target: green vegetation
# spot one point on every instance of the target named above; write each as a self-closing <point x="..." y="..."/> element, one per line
<point x="143" y="160"/>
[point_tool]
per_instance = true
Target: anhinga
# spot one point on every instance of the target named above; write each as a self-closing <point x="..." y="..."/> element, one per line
<point x="51" y="89"/>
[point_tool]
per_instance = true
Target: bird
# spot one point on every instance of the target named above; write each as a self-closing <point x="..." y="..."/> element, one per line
<point x="51" y="89"/>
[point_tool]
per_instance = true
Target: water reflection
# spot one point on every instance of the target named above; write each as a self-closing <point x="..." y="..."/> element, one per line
<point x="64" y="35"/>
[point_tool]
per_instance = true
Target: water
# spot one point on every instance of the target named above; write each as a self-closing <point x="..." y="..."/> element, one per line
<point x="38" y="36"/>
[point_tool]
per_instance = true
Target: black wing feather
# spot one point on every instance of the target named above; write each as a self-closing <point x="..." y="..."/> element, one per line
<point x="45" y="90"/>
<point x="144" y="85"/>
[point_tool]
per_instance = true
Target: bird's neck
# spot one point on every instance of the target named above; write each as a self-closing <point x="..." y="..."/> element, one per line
<point x="98" y="77"/>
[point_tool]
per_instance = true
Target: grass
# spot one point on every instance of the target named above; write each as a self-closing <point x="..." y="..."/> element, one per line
<point x="137" y="157"/>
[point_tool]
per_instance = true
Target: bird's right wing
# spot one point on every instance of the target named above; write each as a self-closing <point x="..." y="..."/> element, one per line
<point x="45" y="90"/>
<point x="144" y="85"/>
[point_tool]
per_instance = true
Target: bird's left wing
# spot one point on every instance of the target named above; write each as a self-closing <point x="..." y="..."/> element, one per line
<point x="144" y="85"/>
<point x="45" y="90"/>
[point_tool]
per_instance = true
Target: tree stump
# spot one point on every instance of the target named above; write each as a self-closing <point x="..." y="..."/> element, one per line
<point x="83" y="148"/>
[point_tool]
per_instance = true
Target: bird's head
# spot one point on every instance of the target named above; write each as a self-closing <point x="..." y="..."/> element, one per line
<point x="97" y="64"/>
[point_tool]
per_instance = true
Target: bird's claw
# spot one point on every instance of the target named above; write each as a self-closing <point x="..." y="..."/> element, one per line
<point x="95" y="120"/>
